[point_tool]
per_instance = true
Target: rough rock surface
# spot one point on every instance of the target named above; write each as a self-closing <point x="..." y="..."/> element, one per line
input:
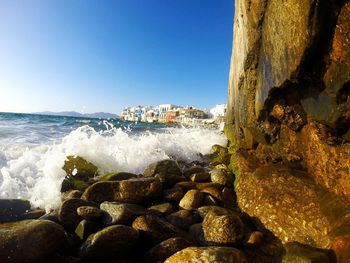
<point x="289" y="105"/>
<point x="129" y="191"/>
<point x="112" y="241"/>
<point x="222" y="228"/>
<point x="29" y="240"/>
<point x="120" y="213"/>
<point x="207" y="254"/>
<point x="165" y="249"/>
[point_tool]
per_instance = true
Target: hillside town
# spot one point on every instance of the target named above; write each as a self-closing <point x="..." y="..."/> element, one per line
<point x="169" y="113"/>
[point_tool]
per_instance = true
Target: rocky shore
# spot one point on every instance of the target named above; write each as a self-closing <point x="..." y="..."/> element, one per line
<point x="173" y="212"/>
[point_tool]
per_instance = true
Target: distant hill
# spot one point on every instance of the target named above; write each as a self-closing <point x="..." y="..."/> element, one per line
<point x="97" y="115"/>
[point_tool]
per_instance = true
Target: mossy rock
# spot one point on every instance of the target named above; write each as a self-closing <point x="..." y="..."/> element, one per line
<point x="79" y="168"/>
<point x="73" y="184"/>
<point x="115" y="176"/>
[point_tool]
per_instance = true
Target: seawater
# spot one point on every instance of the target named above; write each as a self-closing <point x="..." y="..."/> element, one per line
<point x="33" y="149"/>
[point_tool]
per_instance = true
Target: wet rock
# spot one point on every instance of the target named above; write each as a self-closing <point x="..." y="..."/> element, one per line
<point x="13" y="209"/>
<point x="110" y="242"/>
<point x="52" y="216"/>
<point x="164" y="208"/>
<point x="296" y="252"/>
<point x="207" y="254"/>
<point x="154" y="229"/>
<point x="223" y="228"/>
<point x="183" y="219"/>
<point x="193" y="170"/>
<point x="167" y="171"/>
<point x="255" y="238"/>
<point x="121" y="213"/>
<point x="221" y="177"/>
<point x="214" y="192"/>
<point x="71" y="194"/>
<point x="191" y="200"/>
<point x="165" y="249"/>
<point x="29" y="240"/>
<point x="67" y="213"/>
<point x="34" y="214"/>
<point x="341" y="247"/>
<point x="85" y="228"/>
<point x="74" y="184"/>
<point x="229" y="199"/>
<point x="210" y="200"/>
<point x="114" y="176"/>
<point x="129" y="191"/>
<point x="196" y="230"/>
<point x="291" y="206"/>
<point x="204" y="210"/>
<point x="173" y="194"/>
<point x="89" y="212"/>
<point x="199" y="177"/>
<point x="80" y="169"/>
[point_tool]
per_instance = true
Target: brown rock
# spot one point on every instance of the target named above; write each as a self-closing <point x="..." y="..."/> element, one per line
<point x="221" y="177"/>
<point x="78" y="168"/>
<point x="341" y="247"/>
<point x="129" y="191"/>
<point x="207" y="254"/>
<point x="120" y="213"/>
<point x="291" y="206"/>
<point x="191" y="200"/>
<point x="255" y="238"/>
<point x="29" y="240"/>
<point x="199" y="177"/>
<point x="110" y="242"/>
<point x="229" y="199"/>
<point x="214" y="192"/>
<point x="183" y="219"/>
<point x="154" y="229"/>
<point x="167" y="171"/>
<point x="67" y="214"/>
<point x="223" y="228"/>
<point x="164" y="208"/>
<point x="296" y="252"/>
<point x="165" y="249"/>
<point x="196" y="230"/>
<point x="204" y="210"/>
<point x="85" y="228"/>
<point x="89" y="212"/>
<point x="173" y="194"/>
<point x="71" y="194"/>
<point x="194" y="169"/>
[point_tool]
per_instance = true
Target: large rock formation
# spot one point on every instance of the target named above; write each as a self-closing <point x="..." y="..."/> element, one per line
<point x="289" y="105"/>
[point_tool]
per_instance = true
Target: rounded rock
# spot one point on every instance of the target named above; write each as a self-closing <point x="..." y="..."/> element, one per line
<point x="29" y="240"/>
<point x="191" y="200"/>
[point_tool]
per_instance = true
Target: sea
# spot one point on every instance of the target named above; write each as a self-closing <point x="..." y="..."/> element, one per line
<point x="33" y="149"/>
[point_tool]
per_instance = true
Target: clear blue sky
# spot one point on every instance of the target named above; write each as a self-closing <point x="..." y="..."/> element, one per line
<point x="93" y="55"/>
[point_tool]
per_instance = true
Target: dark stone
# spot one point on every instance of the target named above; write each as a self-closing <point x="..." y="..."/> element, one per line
<point x="155" y="229"/>
<point x="299" y="253"/>
<point x="183" y="219"/>
<point x="85" y="228"/>
<point x="121" y="213"/>
<point x="13" y="209"/>
<point x="29" y="240"/>
<point x="165" y="249"/>
<point x="67" y="213"/>
<point x="110" y="242"/>
<point x="130" y="191"/>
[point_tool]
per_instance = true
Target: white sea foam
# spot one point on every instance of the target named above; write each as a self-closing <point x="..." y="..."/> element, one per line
<point x="35" y="172"/>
